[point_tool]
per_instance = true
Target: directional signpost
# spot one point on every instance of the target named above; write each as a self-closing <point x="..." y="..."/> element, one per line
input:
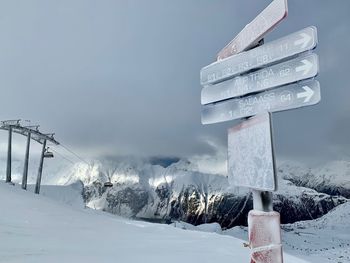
<point x="293" y="70"/>
<point x="280" y="99"/>
<point x="254" y="82"/>
<point x="255" y="31"/>
<point x="261" y="56"/>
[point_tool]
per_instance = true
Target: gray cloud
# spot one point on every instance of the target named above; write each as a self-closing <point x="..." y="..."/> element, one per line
<point x="122" y="77"/>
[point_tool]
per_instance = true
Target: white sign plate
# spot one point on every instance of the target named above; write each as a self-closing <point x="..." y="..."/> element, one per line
<point x="302" y="67"/>
<point x="259" y="57"/>
<point x="257" y="29"/>
<point x="251" y="161"/>
<point x="279" y="99"/>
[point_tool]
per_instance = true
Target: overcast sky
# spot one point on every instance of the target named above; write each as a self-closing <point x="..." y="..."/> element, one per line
<point x="122" y="77"/>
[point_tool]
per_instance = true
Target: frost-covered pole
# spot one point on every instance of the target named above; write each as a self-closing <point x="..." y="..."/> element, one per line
<point x="251" y="162"/>
<point x="9" y="156"/>
<point x="264" y="229"/>
<point x="262" y="200"/>
<point x="26" y="161"/>
<point x="40" y="171"/>
<point x="265" y="237"/>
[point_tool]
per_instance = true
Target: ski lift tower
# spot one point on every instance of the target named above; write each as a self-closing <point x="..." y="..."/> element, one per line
<point x="31" y="132"/>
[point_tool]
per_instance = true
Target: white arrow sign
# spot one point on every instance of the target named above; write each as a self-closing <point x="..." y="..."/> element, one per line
<point x="303" y="41"/>
<point x="307" y="94"/>
<point x="290" y="71"/>
<point x="306" y="67"/>
<point x="279" y="99"/>
<point x="267" y="54"/>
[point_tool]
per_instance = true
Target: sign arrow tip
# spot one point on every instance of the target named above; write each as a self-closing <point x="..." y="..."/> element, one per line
<point x="303" y="41"/>
<point x="307" y="94"/>
<point x="306" y="67"/>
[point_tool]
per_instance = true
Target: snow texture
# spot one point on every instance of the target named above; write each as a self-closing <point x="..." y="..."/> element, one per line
<point x="37" y="229"/>
<point x="324" y="240"/>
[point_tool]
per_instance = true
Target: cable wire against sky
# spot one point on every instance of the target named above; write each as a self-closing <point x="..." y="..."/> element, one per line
<point x="62" y="156"/>
<point x="75" y="154"/>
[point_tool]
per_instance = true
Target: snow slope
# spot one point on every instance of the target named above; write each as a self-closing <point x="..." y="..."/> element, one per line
<point x="323" y="240"/>
<point x="326" y="239"/>
<point x="66" y="194"/>
<point x="34" y="228"/>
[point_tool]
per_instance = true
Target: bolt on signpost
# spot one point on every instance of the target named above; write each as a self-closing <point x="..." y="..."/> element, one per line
<point x="251" y="80"/>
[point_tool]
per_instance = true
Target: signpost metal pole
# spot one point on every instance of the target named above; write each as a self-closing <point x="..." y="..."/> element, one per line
<point x="249" y="81"/>
<point x="9" y="156"/>
<point x="251" y="163"/>
<point x="265" y="237"/>
<point x="26" y="161"/>
<point x="38" y="180"/>
<point x="262" y="200"/>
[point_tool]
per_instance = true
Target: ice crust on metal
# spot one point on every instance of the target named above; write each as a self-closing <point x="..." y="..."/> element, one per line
<point x="251" y="160"/>
<point x="265" y="237"/>
<point x="253" y="32"/>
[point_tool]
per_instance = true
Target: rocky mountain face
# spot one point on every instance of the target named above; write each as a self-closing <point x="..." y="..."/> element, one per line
<point x="181" y="192"/>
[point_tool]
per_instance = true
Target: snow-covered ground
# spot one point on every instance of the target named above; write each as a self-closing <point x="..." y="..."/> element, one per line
<point x="55" y="226"/>
<point x="66" y="194"/>
<point x="324" y="240"/>
<point x="36" y="228"/>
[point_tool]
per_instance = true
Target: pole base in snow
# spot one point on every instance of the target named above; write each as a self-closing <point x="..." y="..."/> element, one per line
<point x="265" y="237"/>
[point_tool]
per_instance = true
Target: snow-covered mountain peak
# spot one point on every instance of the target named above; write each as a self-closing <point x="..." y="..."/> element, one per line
<point x="335" y="172"/>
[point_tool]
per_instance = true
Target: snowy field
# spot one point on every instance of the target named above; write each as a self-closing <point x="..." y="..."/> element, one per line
<point x="324" y="240"/>
<point x="36" y="228"/>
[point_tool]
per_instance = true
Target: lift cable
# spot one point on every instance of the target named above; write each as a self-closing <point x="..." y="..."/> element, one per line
<point x="76" y="155"/>
<point x="62" y="156"/>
